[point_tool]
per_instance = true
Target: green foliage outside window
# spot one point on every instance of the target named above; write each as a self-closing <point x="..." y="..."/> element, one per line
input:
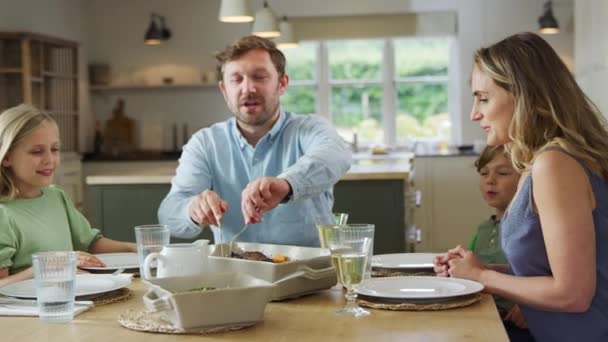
<point x="422" y="107"/>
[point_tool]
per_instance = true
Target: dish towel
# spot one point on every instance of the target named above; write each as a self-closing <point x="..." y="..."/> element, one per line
<point x="26" y="307"/>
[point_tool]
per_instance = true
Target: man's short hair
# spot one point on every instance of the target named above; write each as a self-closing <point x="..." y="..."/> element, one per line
<point x="246" y="44"/>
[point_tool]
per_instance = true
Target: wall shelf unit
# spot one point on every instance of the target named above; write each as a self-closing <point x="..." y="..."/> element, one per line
<point x="42" y="71"/>
<point x="144" y="87"/>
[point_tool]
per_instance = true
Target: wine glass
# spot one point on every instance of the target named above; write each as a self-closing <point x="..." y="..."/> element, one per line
<point x="326" y="228"/>
<point x="349" y="252"/>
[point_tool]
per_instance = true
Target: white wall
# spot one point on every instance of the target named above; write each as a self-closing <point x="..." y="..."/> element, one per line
<point x="591" y="50"/>
<point x="59" y="18"/>
<point x="115" y="28"/>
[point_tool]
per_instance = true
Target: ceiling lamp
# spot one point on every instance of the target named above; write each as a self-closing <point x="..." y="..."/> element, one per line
<point x="156" y="34"/>
<point x="287" y="38"/>
<point x="235" y="11"/>
<point x="265" y="24"/>
<point x="548" y="23"/>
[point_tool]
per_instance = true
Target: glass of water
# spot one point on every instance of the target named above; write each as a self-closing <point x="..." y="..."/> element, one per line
<point x="349" y="252"/>
<point x="150" y="239"/>
<point x="55" y="277"/>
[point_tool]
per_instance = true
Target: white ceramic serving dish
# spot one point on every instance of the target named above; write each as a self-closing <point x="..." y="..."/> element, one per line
<point x="238" y="298"/>
<point x="308" y="270"/>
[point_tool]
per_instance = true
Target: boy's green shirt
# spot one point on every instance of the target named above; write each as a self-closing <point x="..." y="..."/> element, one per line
<point x="49" y="222"/>
<point x="485" y="243"/>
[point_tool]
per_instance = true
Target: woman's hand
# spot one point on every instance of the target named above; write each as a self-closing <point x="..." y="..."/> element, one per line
<point x="516" y="317"/>
<point x="88" y="260"/>
<point x="465" y="265"/>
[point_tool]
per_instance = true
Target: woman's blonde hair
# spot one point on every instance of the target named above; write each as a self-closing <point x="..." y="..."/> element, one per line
<point x="15" y="124"/>
<point x="550" y="108"/>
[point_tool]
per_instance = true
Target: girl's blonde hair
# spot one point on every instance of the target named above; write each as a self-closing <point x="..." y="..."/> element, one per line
<point x="15" y="124"/>
<point x="550" y="108"/>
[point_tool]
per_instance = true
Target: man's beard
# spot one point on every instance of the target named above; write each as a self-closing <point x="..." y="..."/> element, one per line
<point x="265" y="116"/>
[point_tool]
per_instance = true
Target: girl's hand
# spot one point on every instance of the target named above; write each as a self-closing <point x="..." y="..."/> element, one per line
<point x="441" y="262"/>
<point x="88" y="260"/>
<point x="465" y="266"/>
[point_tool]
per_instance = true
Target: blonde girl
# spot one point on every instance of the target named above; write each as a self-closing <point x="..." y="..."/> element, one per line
<point x="35" y="215"/>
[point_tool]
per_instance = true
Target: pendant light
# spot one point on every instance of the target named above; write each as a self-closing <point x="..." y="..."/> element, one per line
<point x="156" y="34"/>
<point x="235" y="11"/>
<point x="287" y="38"/>
<point x="548" y="23"/>
<point x="265" y="24"/>
<point x="153" y="34"/>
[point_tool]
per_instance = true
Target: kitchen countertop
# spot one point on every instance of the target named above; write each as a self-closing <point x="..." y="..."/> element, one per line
<point x="164" y="174"/>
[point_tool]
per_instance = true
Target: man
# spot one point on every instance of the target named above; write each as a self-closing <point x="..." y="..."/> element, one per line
<point x="266" y="168"/>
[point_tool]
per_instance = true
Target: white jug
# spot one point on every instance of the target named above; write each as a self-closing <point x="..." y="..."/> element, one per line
<point x="178" y="259"/>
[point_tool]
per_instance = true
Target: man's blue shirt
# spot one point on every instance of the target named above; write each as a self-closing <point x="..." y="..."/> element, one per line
<point x="303" y="149"/>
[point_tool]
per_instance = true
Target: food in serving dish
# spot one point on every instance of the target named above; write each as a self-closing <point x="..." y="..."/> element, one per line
<point x="223" y="298"/>
<point x="259" y="256"/>
<point x="197" y="289"/>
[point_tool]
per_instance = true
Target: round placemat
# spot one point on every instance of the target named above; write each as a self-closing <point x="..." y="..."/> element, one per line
<point x="159" y="323"/>
<point x="444" y="305"/>
<point x="383" y="272"/>
<point x="116" y="296"/>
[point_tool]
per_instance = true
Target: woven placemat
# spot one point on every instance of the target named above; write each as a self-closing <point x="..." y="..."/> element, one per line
<point x="116" y="296"/>
<point x="379" y="272"/>
<point x="159" y="323"/>
<point x="444" y="305"/>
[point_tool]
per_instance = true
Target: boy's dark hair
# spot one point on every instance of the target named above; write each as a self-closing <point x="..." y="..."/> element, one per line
<point x="489" y="153"/>
<point x="246" y="44"/>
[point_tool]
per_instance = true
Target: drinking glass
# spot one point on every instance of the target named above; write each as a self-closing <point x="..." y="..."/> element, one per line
<point x="366" y="230"/>
<point x="325" y="228"/>
<point x="55" y="277"/>
<point x="349" y="252"/>
<point x="149" y="239"/>
<point x="340" y="218"/>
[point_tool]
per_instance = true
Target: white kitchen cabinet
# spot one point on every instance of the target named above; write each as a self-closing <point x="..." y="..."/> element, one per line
<point x="452" y="206"/>
<point x="69" y="178"/>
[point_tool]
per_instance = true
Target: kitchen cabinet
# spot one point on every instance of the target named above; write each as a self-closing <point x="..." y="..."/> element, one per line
<point x="42" y="71"/>
<point x="452" y="206"/>
<point x="69" y="178"/>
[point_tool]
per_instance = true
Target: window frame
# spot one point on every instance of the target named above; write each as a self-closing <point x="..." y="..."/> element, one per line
<point x="389" y="82"/>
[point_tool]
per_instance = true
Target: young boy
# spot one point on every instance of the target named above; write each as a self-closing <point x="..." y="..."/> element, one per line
<point x="498" y="183"/>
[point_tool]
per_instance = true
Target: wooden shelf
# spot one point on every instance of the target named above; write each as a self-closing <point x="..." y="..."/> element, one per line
<point x="59" y="75"/>
<point x="42" y="71"/>
<point x="10" y="70"/>
<point x="141" y="87"/>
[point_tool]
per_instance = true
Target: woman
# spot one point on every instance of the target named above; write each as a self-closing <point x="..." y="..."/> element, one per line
<point x="555" y="231"/>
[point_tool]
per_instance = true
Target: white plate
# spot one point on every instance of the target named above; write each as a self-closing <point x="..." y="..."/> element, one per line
<point x="412" y="287"/>
<point x="115" y="261"/>
<point x="404" y="260"/>
<point x="86" y="285"/>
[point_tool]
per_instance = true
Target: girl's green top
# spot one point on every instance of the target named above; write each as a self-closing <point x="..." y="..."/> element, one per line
<point x="49" y="222"/>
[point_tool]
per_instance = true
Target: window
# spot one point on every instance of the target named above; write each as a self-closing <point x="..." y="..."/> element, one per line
<point x="421" y="68"/>
<point x="345" y="81"/>
<point x="301" y="68"/>
<point x="355" y="79"/>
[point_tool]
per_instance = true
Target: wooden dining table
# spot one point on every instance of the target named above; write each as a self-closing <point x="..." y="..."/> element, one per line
<point x="308" y="318"/>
